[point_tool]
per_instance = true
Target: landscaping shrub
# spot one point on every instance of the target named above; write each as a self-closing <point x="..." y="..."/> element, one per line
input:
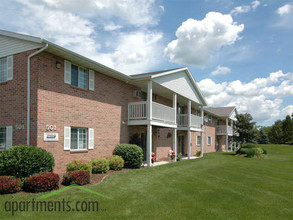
<point x="116" y="162"/>
<point x="131" y="154"/>
<point x="250" y="152"/>
<point x="41" y="182"/>
<point x="9" y="184"/>
<point x="265" y="151"/>
<point x="79" y="165"/>
<point x="249" y="145"/>
<point x="79" y="177"/>
<point x="198" y="153"/>
<point x="100" y="165"/>
<point x="22" y="161"/>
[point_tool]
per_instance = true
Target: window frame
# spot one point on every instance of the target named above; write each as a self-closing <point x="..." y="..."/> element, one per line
<point x="5" y="137"/>
<point x="198" y="140"/>
<point x="209" y="137"/>
<point x="210" y="119"/>
<point x="78" y="140"/>
<point x="79" y="68"/>
<point x="5" y="69"/>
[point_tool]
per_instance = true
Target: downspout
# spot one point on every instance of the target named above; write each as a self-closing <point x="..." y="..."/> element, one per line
<point x="29" y="91"/>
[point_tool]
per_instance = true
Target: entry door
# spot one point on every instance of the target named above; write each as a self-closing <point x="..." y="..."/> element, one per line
<point x="181" y="144"/>
<point x="143" y="145"/>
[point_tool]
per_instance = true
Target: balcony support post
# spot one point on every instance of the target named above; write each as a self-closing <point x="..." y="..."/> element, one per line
<point x="201" y="132"/>
<point x="189" y="131"/>
<point x="149" y="125"/>
<point x="227" y="142"/>
<point x="175" y="129"/>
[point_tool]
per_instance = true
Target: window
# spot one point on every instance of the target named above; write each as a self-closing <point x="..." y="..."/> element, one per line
<point x="79" y="77"/>
<point x="198" y="113"/>
<point x="198" y="139"/>
<point x="3" y="70"/>
<point x="209" y="140"/>
<point x="209" y="119"/>
<point x="2" y="138"/>
<point x="78" y="139"/>
<point x="180" y="109"/>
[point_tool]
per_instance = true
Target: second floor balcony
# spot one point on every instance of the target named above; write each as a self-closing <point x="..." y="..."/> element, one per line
<point x="137" y="113"/>
<point x="183" y="120"/>
<point x="224" y="130"/>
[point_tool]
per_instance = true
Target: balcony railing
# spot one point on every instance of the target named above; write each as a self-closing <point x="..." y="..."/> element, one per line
<point x="138" y="111"/>
<point x="182" y="120"/>
<point x="223" y="130"/>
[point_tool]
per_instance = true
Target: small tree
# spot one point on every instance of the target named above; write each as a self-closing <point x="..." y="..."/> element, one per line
<point x="245" y="128"/>
<point x="276" y="134"/>
<point x="264" y="138"/>
<point x="287" y="127"/>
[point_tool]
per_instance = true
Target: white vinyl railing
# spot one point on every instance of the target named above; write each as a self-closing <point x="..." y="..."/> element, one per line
<point x="182" y="120"/>
<point x="195" y="121"/>
<point x="137" y="110"/>
<point x="163" y="113"/>
<point x="222" y="129"/>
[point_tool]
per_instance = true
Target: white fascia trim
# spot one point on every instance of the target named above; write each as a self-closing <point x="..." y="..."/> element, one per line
<point x="21" y="36"/>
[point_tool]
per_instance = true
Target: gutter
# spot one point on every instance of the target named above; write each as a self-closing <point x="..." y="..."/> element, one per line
<point x="29" y="90"/>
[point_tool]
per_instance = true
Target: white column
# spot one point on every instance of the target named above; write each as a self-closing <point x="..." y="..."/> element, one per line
<point x="232" y="135"/>
<point x="175" y="142"/>
<point x="175" y="129"/>
<point x="149" y="126"/>
<point x="189" y="131"/>
<point x="201" y="133"/>
<point x="227" y="143"/>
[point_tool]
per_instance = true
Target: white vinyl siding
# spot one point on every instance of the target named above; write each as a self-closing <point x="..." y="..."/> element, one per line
<point x="209" y="140"/>
<point x="78" y="139"/>
<point x="198" y="138"/>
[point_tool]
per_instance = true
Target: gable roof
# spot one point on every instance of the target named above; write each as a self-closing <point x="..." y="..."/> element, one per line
<point x="89" y="63"/>
<point x="224" y="112"/>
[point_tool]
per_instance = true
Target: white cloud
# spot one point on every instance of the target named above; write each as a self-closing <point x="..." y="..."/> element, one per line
<point x="221" y="70"/>
<point x="240" y="9"/>
<point x="255" y="4"/>
<point x="112" y="27"/>
<point x="285" y="9"/>
<point x="286" y="16"/>
<point x="262" y="97"/>
<point x="287" y="110"/>
<point x="135" y="52"/>
<point x="135" y="12"/>
<point x="95" y="29"/>
<point x="196" y="40"/>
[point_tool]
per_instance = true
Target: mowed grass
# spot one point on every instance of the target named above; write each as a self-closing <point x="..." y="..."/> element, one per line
<point x="219" y="186"/>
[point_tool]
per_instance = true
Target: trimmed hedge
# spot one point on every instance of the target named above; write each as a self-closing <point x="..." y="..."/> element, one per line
<point x="41" y="182"/>
<point x="116" y="162"/>
<point x="22" y="161"/>
<point x="100" y="165"/>
<point x="79" y="177"/>
<point x="9" y="184"/>
<point x="249" y="145"/>
<point x="79" y="165"/>
<point x="131" y="154"/>
<point x="251" y="152"/>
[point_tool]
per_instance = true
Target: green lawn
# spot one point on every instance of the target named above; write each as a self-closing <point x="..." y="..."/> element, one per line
<point x="219" y="186"/>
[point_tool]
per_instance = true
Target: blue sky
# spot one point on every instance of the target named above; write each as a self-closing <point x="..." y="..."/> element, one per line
<point x="240" y="52"/>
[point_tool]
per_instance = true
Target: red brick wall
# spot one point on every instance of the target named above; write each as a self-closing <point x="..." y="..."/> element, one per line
<point x="210" y="130"/>
<point x="13" y="97"/>
<point x="60" y="104"/>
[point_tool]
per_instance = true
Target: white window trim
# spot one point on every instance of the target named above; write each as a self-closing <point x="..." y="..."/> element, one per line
<point x="198" y="138"/>
<point x="87" y="142"/>
<point x="8" y="137"/>
<point x="208" y="140"/>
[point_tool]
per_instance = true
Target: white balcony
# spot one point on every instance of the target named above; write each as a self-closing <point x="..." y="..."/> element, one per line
<point x="182" y="122"/>
<point x="223" y="130"/>
<point x="137" y="114"/>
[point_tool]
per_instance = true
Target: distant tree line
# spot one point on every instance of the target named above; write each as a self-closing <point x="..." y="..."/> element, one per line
<point x="281" y="132"/>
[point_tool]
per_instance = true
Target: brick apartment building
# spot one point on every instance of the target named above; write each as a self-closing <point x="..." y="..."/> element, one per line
<point x="76" y="108"/>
